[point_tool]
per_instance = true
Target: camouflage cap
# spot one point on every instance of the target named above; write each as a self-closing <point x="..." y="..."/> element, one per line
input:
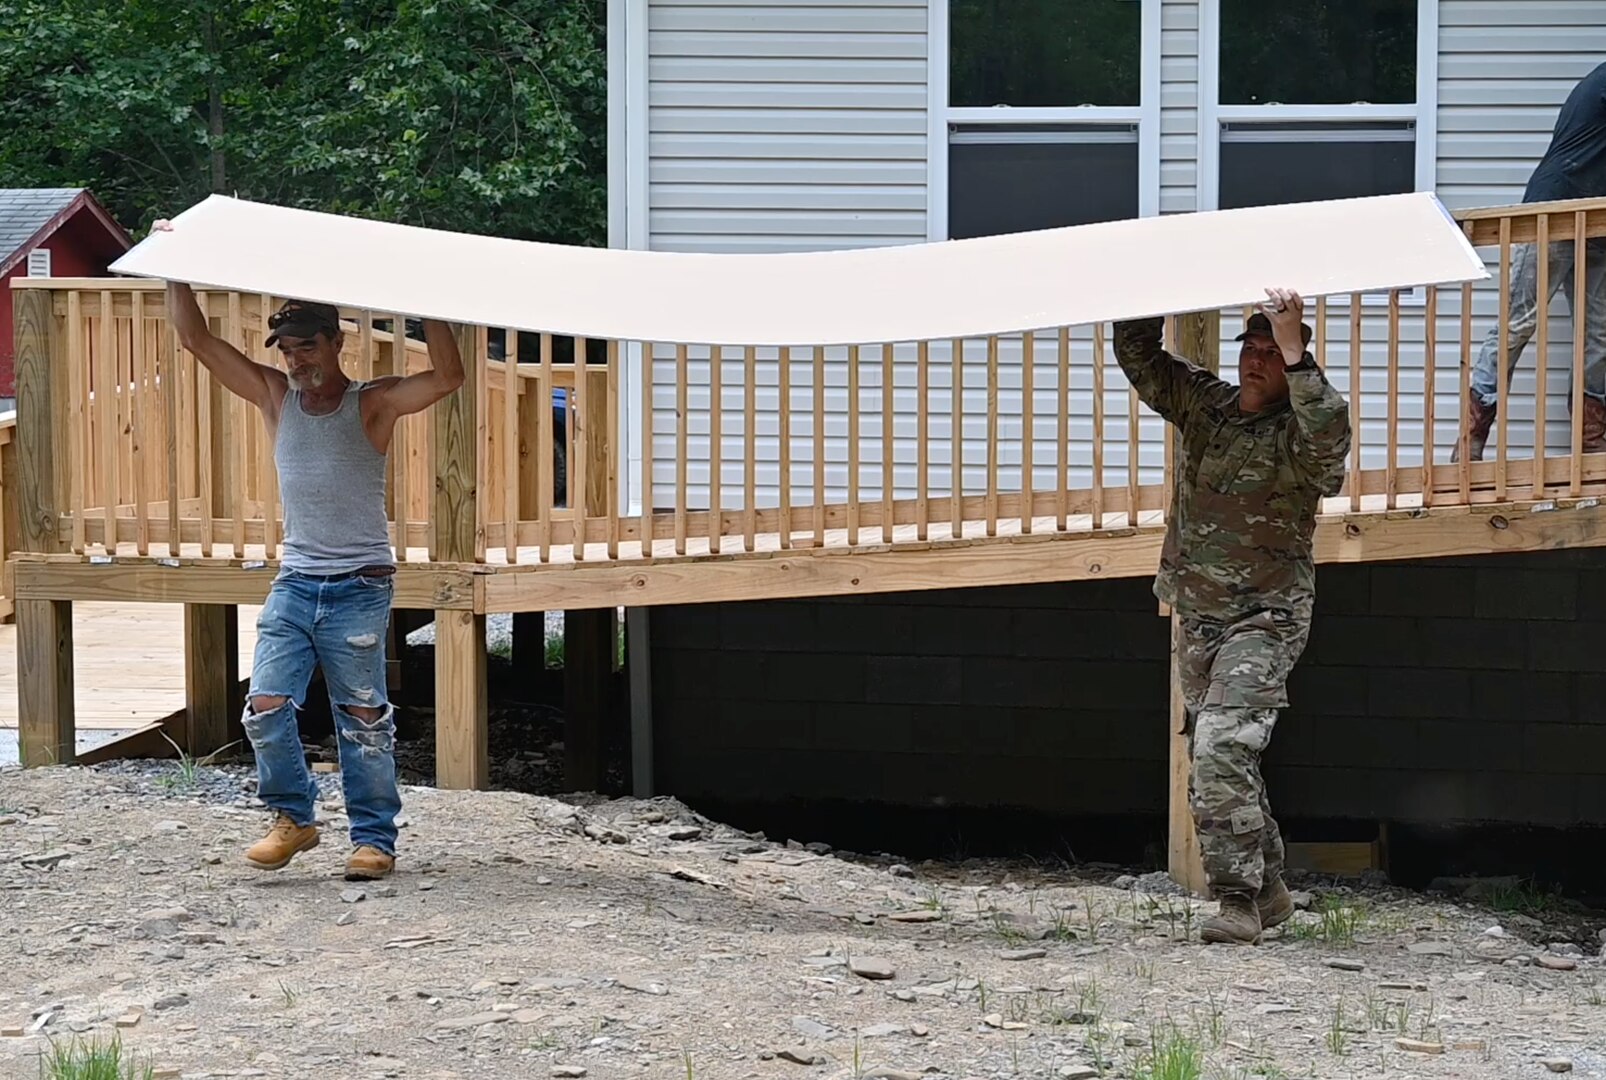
<point x="1259" y="323"/>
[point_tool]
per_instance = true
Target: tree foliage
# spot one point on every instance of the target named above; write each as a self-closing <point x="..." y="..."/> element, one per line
<point x="484" y="116"/>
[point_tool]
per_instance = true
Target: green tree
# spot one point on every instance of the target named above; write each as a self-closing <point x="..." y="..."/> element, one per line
<point x="471" y="115"/>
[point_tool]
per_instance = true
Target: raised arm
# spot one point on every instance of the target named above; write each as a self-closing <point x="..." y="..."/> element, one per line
<point x="261" y="385"/>
<point x="417" y="392"/>
<point x="1167" y="384"/>
<point x="1321" y="433"/>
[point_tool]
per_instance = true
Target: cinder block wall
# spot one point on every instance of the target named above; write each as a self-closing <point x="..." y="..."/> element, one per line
<point x="1469" y="690"/>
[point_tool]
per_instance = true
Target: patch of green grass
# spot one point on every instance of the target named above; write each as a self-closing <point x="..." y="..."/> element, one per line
<point x="1337" y="922"/>
<point x="1526" y="897"/>
<point x="188" y="767"/>
<point x="1337" y="1036"/>
<point x="1171" y="1055"/>
<point x="95" y="1060"/>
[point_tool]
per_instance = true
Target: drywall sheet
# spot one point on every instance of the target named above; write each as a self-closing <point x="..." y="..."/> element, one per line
<point x="992" y="285"/>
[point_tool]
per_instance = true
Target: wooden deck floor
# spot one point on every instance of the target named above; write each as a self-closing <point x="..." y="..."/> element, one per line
<point x="128" y="663"/>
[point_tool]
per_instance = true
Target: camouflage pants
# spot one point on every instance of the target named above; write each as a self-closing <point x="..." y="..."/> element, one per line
<point x="1233" y="677"/>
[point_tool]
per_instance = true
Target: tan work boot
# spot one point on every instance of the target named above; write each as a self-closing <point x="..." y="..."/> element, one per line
<point x="1479" y="420"/>
<point x="368" y="864"/>
<point x="283" y="842"/>
<point x="1273" y="903"/>
<point x="1238" y="923"/>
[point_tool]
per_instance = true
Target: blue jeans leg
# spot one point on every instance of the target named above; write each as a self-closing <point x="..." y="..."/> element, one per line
<point x="350" y="638"/>
<point x="282" y="668"/>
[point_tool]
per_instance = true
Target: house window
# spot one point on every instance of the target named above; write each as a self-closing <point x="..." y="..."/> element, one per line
<point x="39" y="262"/>
<point x="1050" y="113"/>
<point x="1006" y="179"/>
<point x="1044" y="53"/>
<point x="1265" y="164"/>
<point x="1350" y="116"/>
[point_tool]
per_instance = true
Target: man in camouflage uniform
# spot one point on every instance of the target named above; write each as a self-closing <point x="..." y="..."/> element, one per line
<point x="1255" y="461"/>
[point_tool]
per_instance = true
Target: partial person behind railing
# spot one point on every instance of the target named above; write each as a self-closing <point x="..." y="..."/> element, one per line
<point x="1574" y="167"/>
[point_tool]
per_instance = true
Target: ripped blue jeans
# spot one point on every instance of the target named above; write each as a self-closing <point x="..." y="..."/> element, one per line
<point x="337" y="623"/>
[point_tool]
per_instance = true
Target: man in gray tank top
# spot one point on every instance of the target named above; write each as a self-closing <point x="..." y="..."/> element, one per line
<point x="329" y="606"/>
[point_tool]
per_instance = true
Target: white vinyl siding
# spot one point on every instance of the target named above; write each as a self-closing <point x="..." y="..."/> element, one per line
<point x="785" y="125"/>
<point x="1179" y="106"/>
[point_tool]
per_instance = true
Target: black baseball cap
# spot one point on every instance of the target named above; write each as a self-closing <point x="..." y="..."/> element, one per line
<point x="303" y="319"/>
<point x="1259" y="324"/>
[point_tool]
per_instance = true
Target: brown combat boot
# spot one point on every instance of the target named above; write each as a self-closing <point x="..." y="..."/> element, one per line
<point x="1273" y="903"/>
<point x="1480" y="419"/>
<point x="368" y="864"/>
<point x="1594" y="440"/>
<point x="284" y="841"/>
<point x="1238" y="923"/>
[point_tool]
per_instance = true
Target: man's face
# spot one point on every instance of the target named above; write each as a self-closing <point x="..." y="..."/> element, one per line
<point x="309" y="361"/>
<point x="1261" y="368"/>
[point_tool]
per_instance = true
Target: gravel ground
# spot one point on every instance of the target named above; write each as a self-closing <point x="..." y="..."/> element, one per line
<point x="528" y="937"/>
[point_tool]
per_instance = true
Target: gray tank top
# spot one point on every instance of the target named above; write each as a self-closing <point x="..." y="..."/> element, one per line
<point x="332" y="486"/>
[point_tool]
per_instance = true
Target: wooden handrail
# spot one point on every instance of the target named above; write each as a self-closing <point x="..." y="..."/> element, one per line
<point x="808" y="447"/>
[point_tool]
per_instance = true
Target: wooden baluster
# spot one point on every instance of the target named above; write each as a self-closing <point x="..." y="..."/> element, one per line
<point x="819" y="445"/>
<point x="1430" y="395"/>
<point x="1028" y="360"/>
<point x="716" y="485"/>
<point x="511" y="385"/>
<point x="922" y="439"/>
<point x="1355" y="400"/>
<point x="401" y="443"/>
<point x="580" y="447"/>
<point x="136" y="416"/>
<point x="1098" y="426"/>
<point x="1580" y="335"/>
<point x="610" y="431"/>
<point x="681" y="425"/>
<point x="784" y="378"/>
<point x="889" y="442"/>
<point x="1063" y="422"/>
<point x="647" y="435"/>
<point x="545" y="443"/>
<point x="957" y="440"/>
<point x="106" y="429"/>
<point x="992" y="436"/>
<point x="750" y="438"/>
<point x="1391" y="475"/>
<point x="853" y="445"/>
<point x="1542" y="347"/>
<point x="1503" y="377"/>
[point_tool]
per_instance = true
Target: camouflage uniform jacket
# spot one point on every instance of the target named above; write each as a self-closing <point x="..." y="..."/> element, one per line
<point x="1248" y="485"/>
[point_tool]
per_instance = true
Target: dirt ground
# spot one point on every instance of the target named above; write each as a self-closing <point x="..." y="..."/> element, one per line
<point x="528" y="937"/>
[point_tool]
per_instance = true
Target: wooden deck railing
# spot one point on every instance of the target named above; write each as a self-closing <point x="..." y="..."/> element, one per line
<point x="740" y="449"/>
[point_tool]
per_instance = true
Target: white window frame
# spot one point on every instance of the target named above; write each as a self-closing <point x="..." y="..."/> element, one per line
<point x="939" y="115"/>
<point x="1423" y="113"/>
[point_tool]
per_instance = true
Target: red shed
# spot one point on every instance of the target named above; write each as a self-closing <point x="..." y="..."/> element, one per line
<point x="50" y="232"/>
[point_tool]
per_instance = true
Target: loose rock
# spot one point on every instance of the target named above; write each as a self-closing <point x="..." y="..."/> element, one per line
<point x="1340" y="964"/>
<point x="1023" y="954"/>
<point x="1417" y="1046"/>
<point x="872" y="967"/>
<point x="1557" y="1064"/>
<point x="797" y="1057"/>
<point x="1557" y="963"/>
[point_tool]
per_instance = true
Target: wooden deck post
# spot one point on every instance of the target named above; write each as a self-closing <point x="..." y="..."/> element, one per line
<point x="211" y="677"/>
<point x="462" y="752"/>
<point x="45" y="708"/>
<point x="1198" y="340"/>
<point x="589" y="636"/>
<point x="45" y="703"/>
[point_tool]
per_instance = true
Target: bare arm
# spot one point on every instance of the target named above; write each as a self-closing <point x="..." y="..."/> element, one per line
<point x="259" y="384"/>
<point x="417" y="392"/>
